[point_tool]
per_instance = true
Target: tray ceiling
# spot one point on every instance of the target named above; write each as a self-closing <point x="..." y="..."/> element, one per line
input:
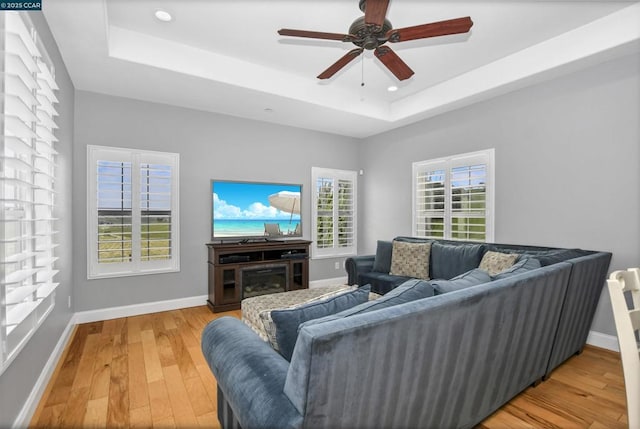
<point x="226" y="56"/>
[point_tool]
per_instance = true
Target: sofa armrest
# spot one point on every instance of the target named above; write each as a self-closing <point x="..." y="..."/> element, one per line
<point x="250" y="373"/>
<point x="357" y="265"/>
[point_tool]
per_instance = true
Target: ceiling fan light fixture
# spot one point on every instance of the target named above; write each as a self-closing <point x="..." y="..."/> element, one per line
<point x="163" y="15"/>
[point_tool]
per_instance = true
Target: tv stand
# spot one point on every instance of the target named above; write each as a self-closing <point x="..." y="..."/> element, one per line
<point x="244" y="269"/>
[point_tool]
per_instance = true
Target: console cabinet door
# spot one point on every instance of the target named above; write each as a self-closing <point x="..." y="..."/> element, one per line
<point x="227" y="280"/>
<point x="299" y="274"/>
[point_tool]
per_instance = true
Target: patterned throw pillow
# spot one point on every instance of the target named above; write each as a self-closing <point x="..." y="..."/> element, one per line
<point x="495" y="262"/>
<point x="410" y="259"/>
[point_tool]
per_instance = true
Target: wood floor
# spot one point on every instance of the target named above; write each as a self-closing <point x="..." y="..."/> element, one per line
<point x="148" y="371"/>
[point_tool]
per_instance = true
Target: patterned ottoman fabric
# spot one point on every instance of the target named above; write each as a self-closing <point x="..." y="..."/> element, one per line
<point x="252" y="307"/>
<point x="256" y="311"/>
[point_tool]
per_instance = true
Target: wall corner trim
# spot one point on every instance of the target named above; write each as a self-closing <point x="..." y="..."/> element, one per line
<point x="604" y="341"/>
<point x="328" y="282"/>
<point x="138" y="309"/>
<point x="31" y="404"/>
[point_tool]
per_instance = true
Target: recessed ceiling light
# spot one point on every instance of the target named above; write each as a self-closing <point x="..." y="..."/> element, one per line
<point x="268" y="110"/>
<point x="392" y="88"/>
<point x="163" y="15"/>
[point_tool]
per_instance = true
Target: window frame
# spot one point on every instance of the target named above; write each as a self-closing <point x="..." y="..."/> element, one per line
<point x="486" y="157"/>
<point x="335" y="250"/>
<point x="137" y="157"/>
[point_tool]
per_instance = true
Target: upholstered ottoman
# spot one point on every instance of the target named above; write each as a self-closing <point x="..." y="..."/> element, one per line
<point x="256" y="310"/>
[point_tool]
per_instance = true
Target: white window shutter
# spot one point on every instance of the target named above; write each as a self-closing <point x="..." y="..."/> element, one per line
<point x="155" y="211"/>
<point x="453" y="197"/>
<point x="346" y="213"/>
<point x="132" y="213"/>
<point x="114" y="241"/>
<point x="429" y="196"/>
<point x="323" y="227"/>
<point x="27" y="191"/>
<point x="469" y="202"/>
<point x="334" y="214"/>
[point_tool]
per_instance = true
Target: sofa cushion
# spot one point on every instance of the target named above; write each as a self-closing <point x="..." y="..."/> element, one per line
<point x="287" y="321"/>
<point x="544" y="255"/>
<point x="522" y="266"/>
<point x="381" y="282"/>
<point x="554" y="256"/>
<point x="472" y="277"/>
<point x="256" y="311"/>
<point x="410" y="290"/>
<point x="450" y="260"/>
<point x="382" y="261"/>
<point x="410" y="259"/>
<point x="495" y="262"/>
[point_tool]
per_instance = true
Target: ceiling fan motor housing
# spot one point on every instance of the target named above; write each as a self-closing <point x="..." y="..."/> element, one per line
<point x="366" y="35"/>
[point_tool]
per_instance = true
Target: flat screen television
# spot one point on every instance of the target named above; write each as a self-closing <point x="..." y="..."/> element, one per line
<point x="255" y="210"/>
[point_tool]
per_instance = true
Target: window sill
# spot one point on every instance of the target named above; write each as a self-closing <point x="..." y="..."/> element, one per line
<point x="131" y="274"/>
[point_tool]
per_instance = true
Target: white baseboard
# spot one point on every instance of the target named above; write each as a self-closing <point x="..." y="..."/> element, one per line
<point x="31" y="404"/>
<point x="328" y="282"/>
<point x="138" y="309"/>
<point x="604" y="341"/>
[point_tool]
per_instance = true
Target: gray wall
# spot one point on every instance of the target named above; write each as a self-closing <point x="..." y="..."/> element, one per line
<point x="210" y="146"/>
<point x="567" y="166"/>
<point x="19" y="379"/>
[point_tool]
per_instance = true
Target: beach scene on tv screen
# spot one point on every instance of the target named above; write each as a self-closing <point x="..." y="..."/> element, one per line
<point x="255" y="210"/>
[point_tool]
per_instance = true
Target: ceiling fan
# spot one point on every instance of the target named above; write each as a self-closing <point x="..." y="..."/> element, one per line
<point x="373" y="30"/>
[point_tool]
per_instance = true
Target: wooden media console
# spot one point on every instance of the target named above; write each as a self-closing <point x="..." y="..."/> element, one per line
<point x="243" y="270"/>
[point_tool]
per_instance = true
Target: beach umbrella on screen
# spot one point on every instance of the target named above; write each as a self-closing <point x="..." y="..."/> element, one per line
<point x="286" y="201"/>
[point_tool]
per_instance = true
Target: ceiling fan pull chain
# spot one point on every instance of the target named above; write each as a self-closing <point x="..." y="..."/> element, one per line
<point x="362" y="71"/>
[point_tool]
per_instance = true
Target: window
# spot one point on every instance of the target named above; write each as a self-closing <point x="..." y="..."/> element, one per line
<point x="334" y="212"/>
<point x="133" y="212"/>
<point x="27" y="185"/>
<point x="453" y="197"/>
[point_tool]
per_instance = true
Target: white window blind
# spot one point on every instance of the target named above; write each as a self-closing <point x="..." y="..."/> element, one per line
<point x="334" y="212"/>
<point x="28" y="161"/>
<point x="132" y="212"/>
<point x="453" y="197"/>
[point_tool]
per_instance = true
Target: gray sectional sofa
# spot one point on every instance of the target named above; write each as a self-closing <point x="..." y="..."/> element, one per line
<point x="442" y="361"/>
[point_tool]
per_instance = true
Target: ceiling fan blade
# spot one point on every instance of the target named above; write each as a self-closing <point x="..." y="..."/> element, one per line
<point x="375" y="12"/>
<point x="315" y="35"/>
<point x="393" y="62"/>
<point x="434" y="29"/>
<point x="335" y="67"/>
